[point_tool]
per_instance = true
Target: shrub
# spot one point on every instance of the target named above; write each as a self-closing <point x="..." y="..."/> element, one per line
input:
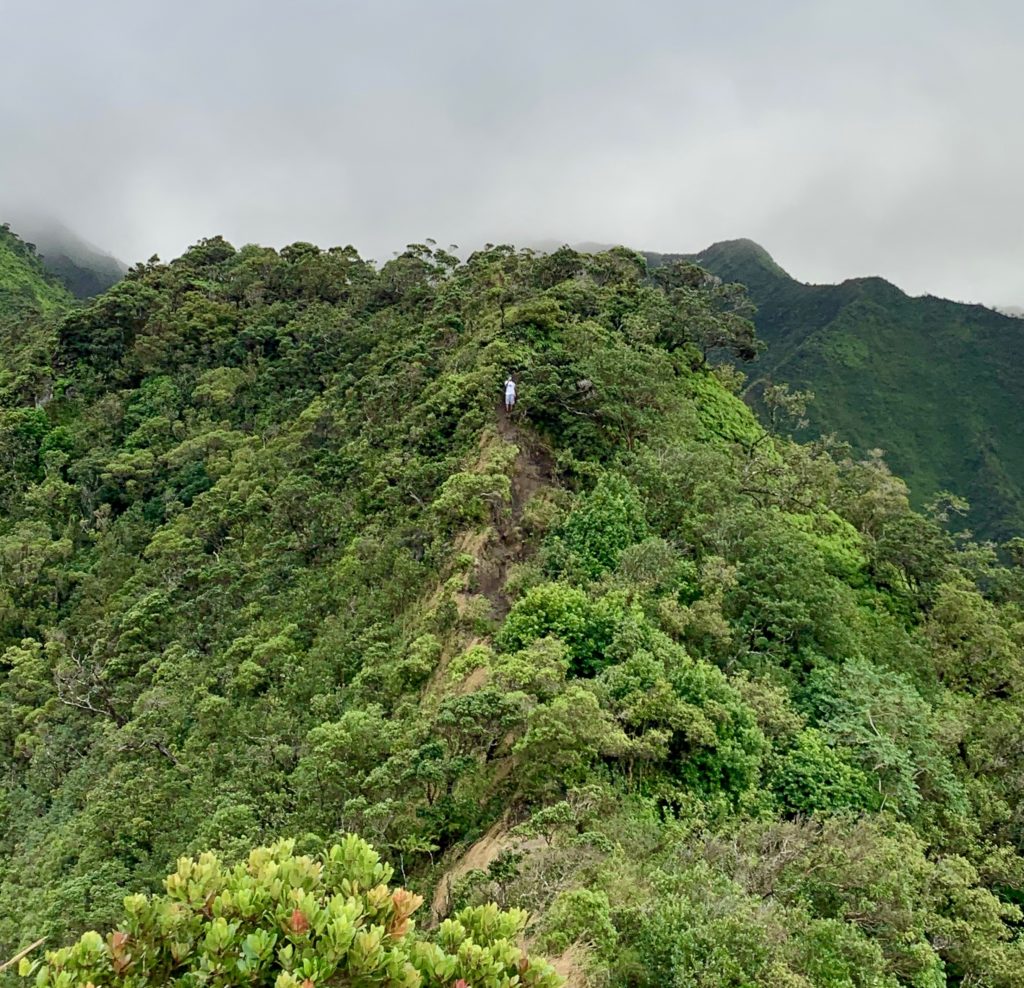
<point x="292" y="922"/>
<point x="581" y="916"/>
<point x="603" y="523"/>
<point x="815" y="778"/>
<point x="464" y="497"/>
<point x="560" y="611"/>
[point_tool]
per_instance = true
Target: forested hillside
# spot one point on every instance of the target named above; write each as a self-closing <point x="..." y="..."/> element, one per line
<point x="932" y="382"/>
<point x="25" y="286"/>
<point x="716" y="708"/>
<point x="30" y="303"/>
<point x="82" y="268"/>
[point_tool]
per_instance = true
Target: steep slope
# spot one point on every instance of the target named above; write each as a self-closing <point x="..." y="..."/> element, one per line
<point x="25" y="286"/>
<point x="711" y="706"/>
<point x="930" y="381"/>
<point x="31" y="301"/>
<point x="81" y="267"/>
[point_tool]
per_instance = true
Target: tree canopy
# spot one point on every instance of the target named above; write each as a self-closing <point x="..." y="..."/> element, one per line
<point x="709" y="705"/>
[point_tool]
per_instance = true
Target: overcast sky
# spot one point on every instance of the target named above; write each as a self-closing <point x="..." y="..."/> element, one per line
<point x="847" y="138"/>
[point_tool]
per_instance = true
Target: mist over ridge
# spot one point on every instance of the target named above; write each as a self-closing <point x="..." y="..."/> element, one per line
<point x="851" y="141"/>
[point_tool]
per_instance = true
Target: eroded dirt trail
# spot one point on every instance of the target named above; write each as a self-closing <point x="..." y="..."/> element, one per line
<point x="506" y="543"/>
<point x="533" y="469"/>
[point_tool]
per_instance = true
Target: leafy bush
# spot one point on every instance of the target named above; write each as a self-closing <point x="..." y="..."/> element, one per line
<point x="815" y="778"/>
<point x="564" y="612"/>
<point x="603" y="523"/>
<point x="581" y="915"/>
<point x="292" y="921"/>
<point x="464" y="497"/>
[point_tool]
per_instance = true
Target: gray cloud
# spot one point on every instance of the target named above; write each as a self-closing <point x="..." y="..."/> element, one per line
<point x="849" y="139"/>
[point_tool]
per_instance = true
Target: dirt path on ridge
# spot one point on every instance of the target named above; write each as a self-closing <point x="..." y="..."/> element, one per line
<point x="533" y="469"/>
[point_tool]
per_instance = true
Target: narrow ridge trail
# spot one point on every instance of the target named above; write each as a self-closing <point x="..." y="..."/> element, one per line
<point x="533" y="469"/>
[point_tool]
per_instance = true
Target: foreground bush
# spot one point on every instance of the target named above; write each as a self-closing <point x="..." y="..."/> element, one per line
<point x="293" y="922"/>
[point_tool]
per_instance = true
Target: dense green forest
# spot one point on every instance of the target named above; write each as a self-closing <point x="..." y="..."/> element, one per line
<point x="932" y="382"/>
<point x="697" y="703"/>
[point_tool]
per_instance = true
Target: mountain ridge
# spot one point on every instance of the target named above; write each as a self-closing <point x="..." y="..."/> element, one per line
<point x="81" y="267"/>
<point x="26" y="287"/>
<point x="681" y="692"/>
<point x="924" y="378"/>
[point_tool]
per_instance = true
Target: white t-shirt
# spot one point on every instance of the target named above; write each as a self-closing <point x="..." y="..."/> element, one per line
<point x="510" y="388"/>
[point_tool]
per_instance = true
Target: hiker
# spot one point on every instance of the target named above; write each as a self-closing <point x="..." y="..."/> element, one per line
<point x="510" y="394"/>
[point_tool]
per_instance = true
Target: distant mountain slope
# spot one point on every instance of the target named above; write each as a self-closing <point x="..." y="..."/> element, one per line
<point x="31" y="302"/>
<point x="25" y="285"/>
<point x="83" y="268"/>
<point x="933" y="382"/>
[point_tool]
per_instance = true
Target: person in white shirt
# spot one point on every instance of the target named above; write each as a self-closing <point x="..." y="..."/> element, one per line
<point x="510" y="393"/>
